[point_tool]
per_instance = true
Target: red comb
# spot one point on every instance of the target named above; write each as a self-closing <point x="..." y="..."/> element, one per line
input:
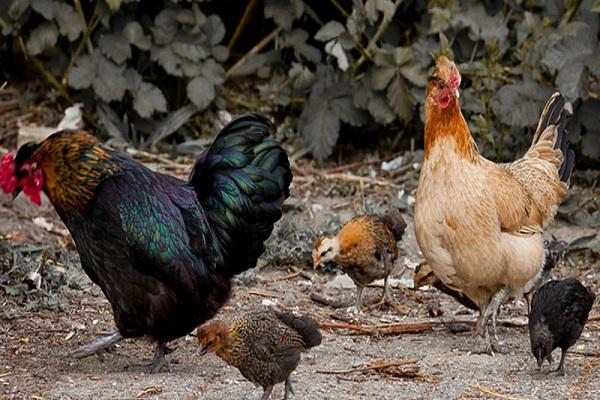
<point x="8" y="180"/>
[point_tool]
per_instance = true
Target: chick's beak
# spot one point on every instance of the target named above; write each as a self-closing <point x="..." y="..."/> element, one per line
<point x="203" y="351"/>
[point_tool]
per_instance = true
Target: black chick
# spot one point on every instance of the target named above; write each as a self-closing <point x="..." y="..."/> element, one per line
<point x="558" y="314"/>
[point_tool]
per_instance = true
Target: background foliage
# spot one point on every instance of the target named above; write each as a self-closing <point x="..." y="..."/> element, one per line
<point x="332" y="69"/>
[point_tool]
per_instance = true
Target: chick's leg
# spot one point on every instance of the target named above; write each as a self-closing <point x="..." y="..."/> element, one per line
<point x="96" y="345"/>
<point x="561" y="366"/>
<point x="267" y="393"/>
<point x="384" y="295"/>
<point x="288" y="389"/>
<point x="356" y="308"/>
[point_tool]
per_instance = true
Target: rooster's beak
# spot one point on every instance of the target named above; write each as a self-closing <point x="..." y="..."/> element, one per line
<point x="16" y="193"/>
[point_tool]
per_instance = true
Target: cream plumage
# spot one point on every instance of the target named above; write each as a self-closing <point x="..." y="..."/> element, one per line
<point x="479" y="223"/>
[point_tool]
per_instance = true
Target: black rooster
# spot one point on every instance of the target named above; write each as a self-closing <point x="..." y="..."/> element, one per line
<point x="559" y="311"/>
<point x="162" y="250"/>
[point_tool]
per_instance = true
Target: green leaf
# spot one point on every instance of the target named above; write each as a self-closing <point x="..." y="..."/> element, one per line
<point x="82" y="73"/>
<point x="302" y="77"/>
<point x="400" y="99"/>
<point x="69" y="21"/>
<point x="440" y="20"/>
<point x="214" y="30"/>
<point x="520" y="103"/>
<point x="115" y="46"/>
<point x="165" y="27"/>
<point x="381" y="77"/>
<point x="481" y="25"/>
<point x="330" y="30"/>
<point x="192" y="52"/>
<point x="43" y="37"/>
<point x="167" y="59"/>
<point x="319" y="126"/>
<point x="201" y="92"/>
<point x="114" y="5"/>
<point x="283" y="12"/>
<point x="46" y="8"/>
<point x="220" y="53"/>
<point x="379" y="110"/>
<point x="109" y="82"/>
<point x="345" y="109"/>
<point x="147" y="98"/>
<point x="213" y="72"/>
<point x="134" y="33"/>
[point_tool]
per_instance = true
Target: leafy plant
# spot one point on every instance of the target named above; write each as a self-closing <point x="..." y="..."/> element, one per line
<point x="333" y="66"/>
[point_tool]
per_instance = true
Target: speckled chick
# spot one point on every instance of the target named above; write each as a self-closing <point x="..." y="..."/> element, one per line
<point x="264" y="345"/>
<point x="365" y="248"/>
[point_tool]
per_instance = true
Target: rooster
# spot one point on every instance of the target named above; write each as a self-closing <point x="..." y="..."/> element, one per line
<point x="479" y="224"/>
<point x="162" y="250"/>
<point x="365" y="248"/>
<point x="264" y="345"/>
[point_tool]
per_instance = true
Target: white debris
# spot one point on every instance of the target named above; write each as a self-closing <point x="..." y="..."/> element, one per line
<point x="43" y="223"/>
<point x="269" y="303"/>
<point x="393" y="164"/>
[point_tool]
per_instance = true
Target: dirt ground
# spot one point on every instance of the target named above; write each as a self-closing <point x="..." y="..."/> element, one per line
<point x="38" y="326"/>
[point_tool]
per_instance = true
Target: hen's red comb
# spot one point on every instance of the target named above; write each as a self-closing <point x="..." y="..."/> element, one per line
<point x="8" y="180"/>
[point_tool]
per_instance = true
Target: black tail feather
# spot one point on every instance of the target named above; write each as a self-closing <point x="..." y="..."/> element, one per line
<point x="307" y="327"/>
<point x="555" y="113"/>
<point x="241" y="181"/>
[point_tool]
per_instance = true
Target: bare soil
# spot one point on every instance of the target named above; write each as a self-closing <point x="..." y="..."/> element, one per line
<point x="37" y="327"/>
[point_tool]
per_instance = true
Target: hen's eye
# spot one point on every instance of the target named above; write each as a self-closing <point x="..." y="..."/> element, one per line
<point x="323" y="253"/>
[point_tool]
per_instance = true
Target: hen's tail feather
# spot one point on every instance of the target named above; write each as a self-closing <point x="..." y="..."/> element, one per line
<point x="241" y="181"/>
<point x="555" y="114"/>
<point x="307" y="327"/>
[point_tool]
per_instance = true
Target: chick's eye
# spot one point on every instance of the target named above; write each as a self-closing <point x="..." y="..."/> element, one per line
<point x="323" y="253"/>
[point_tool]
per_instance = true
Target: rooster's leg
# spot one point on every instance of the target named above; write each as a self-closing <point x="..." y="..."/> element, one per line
<point x="159" y="362"/>
<point x="267" y="393"/>
<point x="96" y="345"/>
<point x="288" y="389"/>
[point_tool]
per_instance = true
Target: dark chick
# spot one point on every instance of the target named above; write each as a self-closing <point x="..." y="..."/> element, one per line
<point x="366" y="249"/>
<point x="559" y="312"/>
<point x="263" y="345"/>
<point x="162" y="250"/>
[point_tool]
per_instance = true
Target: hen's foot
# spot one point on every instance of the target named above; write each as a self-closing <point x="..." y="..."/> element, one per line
<point x="96" y="345"/>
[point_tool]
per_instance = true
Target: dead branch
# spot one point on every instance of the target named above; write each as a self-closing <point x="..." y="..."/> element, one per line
<point x="377" y="365"/>
<point x="317" y="298"/>
<point x="493" y="393"/>
<point x="358" y="179"/>
<point x="383" y="329"/>
<point x="264" y="293"/>
<point x="287" y="277"/>
<point x="259" y="46"/>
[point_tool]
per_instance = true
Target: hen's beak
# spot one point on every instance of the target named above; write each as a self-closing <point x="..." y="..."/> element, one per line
<point x="203" y="351"/>
<point x="316" y="264"/>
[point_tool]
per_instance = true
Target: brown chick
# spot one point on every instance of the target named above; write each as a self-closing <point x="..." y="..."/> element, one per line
<point x="365" y="248"/>
<point x="264" y="345"/>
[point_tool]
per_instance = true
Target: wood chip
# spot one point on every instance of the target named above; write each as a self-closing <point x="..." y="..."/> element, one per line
<point x="493" y="393"/>
<point x="149" y="390"/>
<point x="264" y="293"/>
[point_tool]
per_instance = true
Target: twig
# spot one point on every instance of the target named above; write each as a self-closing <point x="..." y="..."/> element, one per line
<point x="259" y="46"/>
<point x="242" y="24"/>
<point x="264" y="293"/>
<point x="353" y="165"/>
<point x="94" y="20"/>
<point x="340" y="8"/>
<point x="317" y="298"/>
<point x="153" y="157"/>
<point x="383" y="329"/>
<point x="372" y="366"/>
<point x="287" y="277"/>
<point x="5" y="374"/>
<point x="586" y="353"/>
<point x="493" y="393"/>
<point x="358" y="179"/>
